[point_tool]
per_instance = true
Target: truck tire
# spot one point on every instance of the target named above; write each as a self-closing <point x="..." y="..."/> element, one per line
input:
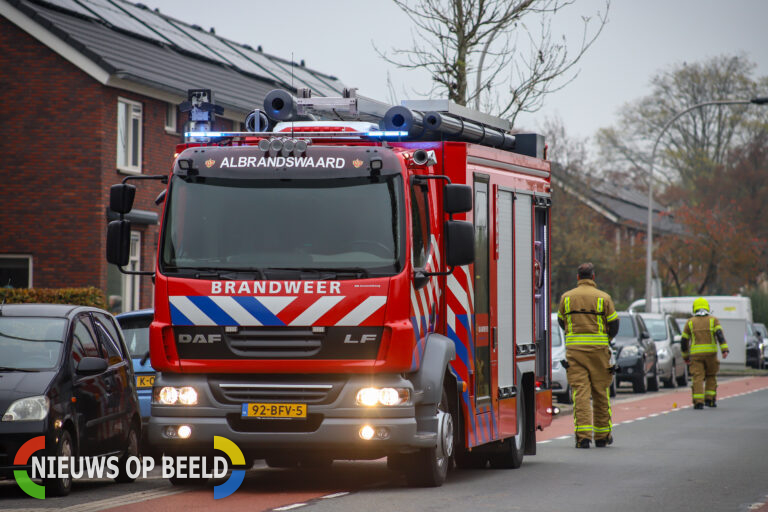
<point x="428" y="467"/>
<point x="513" y="448"/>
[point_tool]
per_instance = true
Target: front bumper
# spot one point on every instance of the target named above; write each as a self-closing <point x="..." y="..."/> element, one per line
<point x="630" y="368"/>
<point x="331" y="427"/>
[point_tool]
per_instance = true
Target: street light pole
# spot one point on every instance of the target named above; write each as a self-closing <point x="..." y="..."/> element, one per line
<point x="649" y="237"/>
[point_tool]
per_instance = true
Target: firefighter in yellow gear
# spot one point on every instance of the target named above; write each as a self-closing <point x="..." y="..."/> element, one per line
<point x="700" y="352"/>
<point x="589" y="319"/>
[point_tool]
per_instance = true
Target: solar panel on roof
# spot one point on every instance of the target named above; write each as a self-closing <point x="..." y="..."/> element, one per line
<point x="218" y="46"/>
<point x="71" y="5"/>
<point x="303" y="78"/>
<point x="169" y="31"/>
<point x="119" y="19"/>
<point x="265" y="62"/>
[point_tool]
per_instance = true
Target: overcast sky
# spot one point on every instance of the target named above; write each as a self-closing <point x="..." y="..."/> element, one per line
<point x="641" y="38"/>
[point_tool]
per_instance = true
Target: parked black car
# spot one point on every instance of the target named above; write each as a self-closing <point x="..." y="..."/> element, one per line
<point x="636" y="358"/>
<point x="66" y="375"/>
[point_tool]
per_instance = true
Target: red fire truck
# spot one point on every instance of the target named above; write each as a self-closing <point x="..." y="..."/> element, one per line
<point x="352" y="290"/>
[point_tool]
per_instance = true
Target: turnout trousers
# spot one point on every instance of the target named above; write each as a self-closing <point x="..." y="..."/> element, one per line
<point x="704" y="369"/>
<point x="590" y="379"/>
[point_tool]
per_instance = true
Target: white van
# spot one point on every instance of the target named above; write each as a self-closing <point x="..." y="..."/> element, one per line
<point x="734" y="313"/>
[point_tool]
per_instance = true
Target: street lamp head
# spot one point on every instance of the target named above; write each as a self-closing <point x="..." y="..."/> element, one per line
<point x="759" y="100"/>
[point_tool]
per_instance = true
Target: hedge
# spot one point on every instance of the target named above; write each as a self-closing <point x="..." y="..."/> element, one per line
<point x="89" y="296"/>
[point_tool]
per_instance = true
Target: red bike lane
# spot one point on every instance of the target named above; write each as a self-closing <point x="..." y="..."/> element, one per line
<point x="270" y="490"/>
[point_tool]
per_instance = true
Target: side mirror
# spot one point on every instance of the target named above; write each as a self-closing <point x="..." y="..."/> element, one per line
<point x="91" y="366"/>
<point x="119" y="242"/>
<point x="645" y="336"/>
<point x="121" y="197"/>
<point x="677" y="338"/>
<point x="457" y="198"/>
<point x="459" y="243"/>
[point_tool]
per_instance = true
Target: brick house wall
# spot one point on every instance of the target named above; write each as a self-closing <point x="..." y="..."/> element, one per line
<point x="58" y="138"/>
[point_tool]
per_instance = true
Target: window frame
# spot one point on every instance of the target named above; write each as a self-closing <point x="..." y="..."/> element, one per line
<point x="30" y="266"/>
<point x="172" y="111"/>
<point x="130" y="143"/>
<point x="426" y="237"/>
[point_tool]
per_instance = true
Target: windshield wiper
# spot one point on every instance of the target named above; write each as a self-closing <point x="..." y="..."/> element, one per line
<point x="11" y="369"/>
<point x="218" y="272"/>
<point x="334" y="271"/>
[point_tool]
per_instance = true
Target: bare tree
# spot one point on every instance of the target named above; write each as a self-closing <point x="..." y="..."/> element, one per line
<point x="697" y="143"/>
<point x="514" y="65"/>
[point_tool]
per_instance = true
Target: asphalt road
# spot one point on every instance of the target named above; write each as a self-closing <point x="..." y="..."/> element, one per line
<point x="666" y="457"/>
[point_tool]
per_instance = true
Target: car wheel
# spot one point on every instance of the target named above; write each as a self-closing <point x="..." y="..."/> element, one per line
<point x="672" y="381"/>
<point x="567" y="397"/>
<point x="131" y="450"/>
<point x="612" y="391"/>
<point x="683" y="379"/>
<point x="61" y="486"/>
<point x="428" y="467"/>
<point x="513" y="448"/>
<point x="653" y="380"/>
<point x="638" y="385"/>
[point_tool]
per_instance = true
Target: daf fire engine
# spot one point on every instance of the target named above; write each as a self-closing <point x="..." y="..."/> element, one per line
<point x="351" y="289"/>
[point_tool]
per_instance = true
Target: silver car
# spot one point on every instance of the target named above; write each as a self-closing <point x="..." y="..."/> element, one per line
<point x="665" y="333"/>
<point x="560" y="388"/>
<point x="761" y="329"/>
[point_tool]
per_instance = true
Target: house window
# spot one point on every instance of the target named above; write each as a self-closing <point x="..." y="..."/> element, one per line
<point x="15" y="271"/>
<point x="129" y="135"/>
<point x="170" y="118"/>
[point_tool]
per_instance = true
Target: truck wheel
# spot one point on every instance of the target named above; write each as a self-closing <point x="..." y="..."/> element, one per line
<point x="61" y="486"/>
<point x="513" y="448"/>
<point x="429" y="466"/>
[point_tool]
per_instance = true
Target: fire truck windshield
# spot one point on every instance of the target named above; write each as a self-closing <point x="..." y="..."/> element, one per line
<point x="347" y="226"/>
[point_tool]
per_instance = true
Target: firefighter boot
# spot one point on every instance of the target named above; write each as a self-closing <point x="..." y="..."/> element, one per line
<point x="584" y="443"/>
<point x="602" y="443"/>
<point x="710" y="402"/>
<point x="698" y="406"/>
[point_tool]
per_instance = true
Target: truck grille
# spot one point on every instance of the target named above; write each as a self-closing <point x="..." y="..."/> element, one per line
<point x="294" y="390"/>
<point x="286" y="342"/>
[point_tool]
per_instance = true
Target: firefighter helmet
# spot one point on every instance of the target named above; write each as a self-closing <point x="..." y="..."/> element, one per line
<point x="700" y="303"/>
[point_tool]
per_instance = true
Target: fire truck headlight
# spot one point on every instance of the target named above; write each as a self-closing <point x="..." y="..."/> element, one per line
<point x="370" y="397"/>
<point x="168" y="395"/>
<point x="188" y="396"/>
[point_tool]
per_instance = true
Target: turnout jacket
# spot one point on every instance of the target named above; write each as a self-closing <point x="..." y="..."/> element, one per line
<point x="588" y="316"/>
<point x="700" y="334"/>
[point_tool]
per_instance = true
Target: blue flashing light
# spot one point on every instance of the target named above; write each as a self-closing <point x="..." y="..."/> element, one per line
<point x="202" y="134"/>
<point x="389" y="133"/>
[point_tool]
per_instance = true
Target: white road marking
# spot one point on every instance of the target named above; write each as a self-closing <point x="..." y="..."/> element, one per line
<point x="335" y="495"/>
<point x="290" y="507"/>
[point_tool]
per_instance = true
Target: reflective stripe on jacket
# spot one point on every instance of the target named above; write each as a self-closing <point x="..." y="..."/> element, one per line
<point x="585" y="312"/>
<point x="701" y="336"/>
